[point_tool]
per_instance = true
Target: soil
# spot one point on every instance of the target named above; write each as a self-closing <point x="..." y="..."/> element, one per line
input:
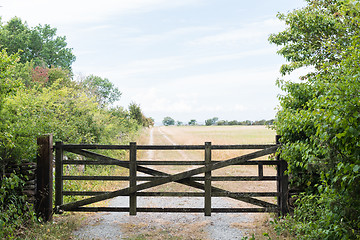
<point x="220" y="226"/>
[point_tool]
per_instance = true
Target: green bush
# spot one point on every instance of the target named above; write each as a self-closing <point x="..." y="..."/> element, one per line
<point x="319" y="118"/>
<point x="15" y="212"/>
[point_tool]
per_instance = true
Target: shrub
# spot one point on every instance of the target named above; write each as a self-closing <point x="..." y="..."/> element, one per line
<point x="15" y="212"/>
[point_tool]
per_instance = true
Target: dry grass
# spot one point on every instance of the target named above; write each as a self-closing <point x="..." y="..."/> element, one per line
<point x="220" y="134"/>
<point x="160" y="229"/>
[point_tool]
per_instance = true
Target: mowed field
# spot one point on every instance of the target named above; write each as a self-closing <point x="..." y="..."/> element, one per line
<point x="195" y="135"/>
<point x="217" y="135"/>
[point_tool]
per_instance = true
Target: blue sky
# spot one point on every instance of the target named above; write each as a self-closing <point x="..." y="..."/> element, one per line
<point x="187" y="59"/>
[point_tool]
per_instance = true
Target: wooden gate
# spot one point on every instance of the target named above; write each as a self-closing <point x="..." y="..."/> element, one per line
<point x="203" y="182"/>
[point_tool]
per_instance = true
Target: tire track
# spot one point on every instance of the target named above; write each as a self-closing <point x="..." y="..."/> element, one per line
<point x="181" y="152"/>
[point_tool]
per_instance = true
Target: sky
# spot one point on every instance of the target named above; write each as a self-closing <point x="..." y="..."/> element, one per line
<point x="186" y="59"/>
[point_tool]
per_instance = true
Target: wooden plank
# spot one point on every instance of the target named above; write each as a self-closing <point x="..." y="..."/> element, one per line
<point x="144" y="178"/>
<point x="236" y="178"/>
<point x="132" y="178"/>
<point x="284" y="191"/>
<point x="170" y="178"/>
<point x="165" y="147"/>
<point x="202" y="147"/>
<point x="83" y="193"/>
<point x="239" y="147"/>
<point x="178" y="194"/>
<point x="58" y="174"/>
<point x="207" y="197"/>
<point x="67" y="147"/>
<point x="94" y="162"/>
<point x="99" y="157"/>
<point x="112" y="161"/>
<point x="261" y="171"/>
<point x="191" y="163"/>
<point x="96" y="178"/>
<point x="145" y="163"/>
<point x="174" y="210"/>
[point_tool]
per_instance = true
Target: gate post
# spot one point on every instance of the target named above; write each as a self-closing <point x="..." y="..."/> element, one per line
<point x="58" y="174"/>
<point x="284" y="189"/>
<point x="132" y="178"/>
<point x="207" y="209"/>
<point x="44" y="175"/>
<point x="282" y="183"/>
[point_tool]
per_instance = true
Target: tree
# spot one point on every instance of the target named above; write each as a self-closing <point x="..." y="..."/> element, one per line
<point x="102" y="89"/>
<point x="7" y="86"/>
<point x="39" y="44"/>
<point x="136" y="113"/>
<point x="211" y="121"/>
<point x="192" y="122"/>
<point x="7" y="67"/>
<point x="168" y="121"/>
<point x="318" y="118"/>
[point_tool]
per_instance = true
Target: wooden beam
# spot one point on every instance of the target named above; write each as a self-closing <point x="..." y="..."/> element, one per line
<point x="44" y="178"/>
<point x="207" y="197"/>
<point x="174" y="210"/>
<point x="178" y="194"/>
<point x="165" y="147"/>
<point x="132" y="178"/>
<point x="151" y="178"/>
<point x="58" y="174"/>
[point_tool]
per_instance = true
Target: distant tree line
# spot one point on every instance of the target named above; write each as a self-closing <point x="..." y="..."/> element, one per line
<point x="246" y="122"/>
<point x="168" y="121"/>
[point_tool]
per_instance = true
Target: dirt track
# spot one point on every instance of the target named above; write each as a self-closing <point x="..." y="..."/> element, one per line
<point x="170" y="225"/>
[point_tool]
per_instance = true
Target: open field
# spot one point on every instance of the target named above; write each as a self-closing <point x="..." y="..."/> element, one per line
<point x="217" y="135"/>
<point x="220" y="134"/>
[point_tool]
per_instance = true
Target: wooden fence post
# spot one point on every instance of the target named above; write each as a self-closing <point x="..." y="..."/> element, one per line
<point x="282" y="184"/>
<point x="207" y="180"/>
<point x="58" y="174"/>
<point x="44" y="174"/>
<point x="132" y="177"/>
<point x="284" y="189"/>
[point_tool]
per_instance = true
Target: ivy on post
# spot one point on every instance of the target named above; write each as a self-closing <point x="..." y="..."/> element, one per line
<point x="44" y="173"/>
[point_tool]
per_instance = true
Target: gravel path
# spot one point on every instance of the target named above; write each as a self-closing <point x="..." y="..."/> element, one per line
<point x="165" y="225"/>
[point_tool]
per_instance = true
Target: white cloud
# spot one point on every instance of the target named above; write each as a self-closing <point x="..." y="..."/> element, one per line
<point x="138" y="68"/>
<point x="81" y="11"/>
<point x="253" y="32"/>
<point x="163" y="36"/>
